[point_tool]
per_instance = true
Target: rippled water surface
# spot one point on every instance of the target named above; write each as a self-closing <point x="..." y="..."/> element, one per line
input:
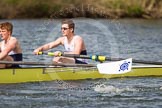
<point x="137" y="38"/>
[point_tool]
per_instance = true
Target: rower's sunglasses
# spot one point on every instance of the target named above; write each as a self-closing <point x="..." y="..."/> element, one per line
<point x="63" y="28"/>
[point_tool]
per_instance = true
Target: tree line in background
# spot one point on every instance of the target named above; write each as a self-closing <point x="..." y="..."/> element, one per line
<point x="10" y="9"/>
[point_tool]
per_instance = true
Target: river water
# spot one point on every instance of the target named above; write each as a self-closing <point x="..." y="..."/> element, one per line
<point x="136" y="38"/>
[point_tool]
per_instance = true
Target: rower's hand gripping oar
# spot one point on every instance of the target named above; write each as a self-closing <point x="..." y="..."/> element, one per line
<point x="100" y="58"/>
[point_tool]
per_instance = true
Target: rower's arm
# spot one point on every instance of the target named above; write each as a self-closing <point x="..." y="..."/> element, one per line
<point x="49" y="45"/>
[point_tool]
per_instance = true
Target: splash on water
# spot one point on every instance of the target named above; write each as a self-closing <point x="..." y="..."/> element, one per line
<point x="102" y="88"/>
<point x="160" y="88"/>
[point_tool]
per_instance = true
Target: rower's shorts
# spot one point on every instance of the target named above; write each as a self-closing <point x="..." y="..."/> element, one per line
<point x="16" y="57"/>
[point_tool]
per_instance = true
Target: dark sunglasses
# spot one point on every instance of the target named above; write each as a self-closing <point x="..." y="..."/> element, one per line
<point x="63" y="28"/>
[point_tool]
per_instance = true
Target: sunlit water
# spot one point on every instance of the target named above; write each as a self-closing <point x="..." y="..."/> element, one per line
<point x="139" y="39"/>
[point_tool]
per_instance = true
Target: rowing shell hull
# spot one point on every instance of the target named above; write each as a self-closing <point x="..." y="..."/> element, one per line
<point x="49" y="74"/>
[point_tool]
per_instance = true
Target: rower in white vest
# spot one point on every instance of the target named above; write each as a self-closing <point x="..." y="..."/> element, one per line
<point x="73" y="44"/>
<point x="10" y="49"/>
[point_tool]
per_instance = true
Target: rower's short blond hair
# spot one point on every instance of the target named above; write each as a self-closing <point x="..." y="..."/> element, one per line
<point x="6" y="25"/>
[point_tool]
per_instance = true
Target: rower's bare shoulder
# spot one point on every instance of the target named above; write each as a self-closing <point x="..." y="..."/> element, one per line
<point x="77" y="37"/>
<point x="13" y="39"/>
<point x="60" y="39"/>
<point x="57" y="41"/>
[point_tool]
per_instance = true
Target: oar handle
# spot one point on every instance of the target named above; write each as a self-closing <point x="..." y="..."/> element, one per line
<point x="93" y="57"/>
<point x="49" y="53"/>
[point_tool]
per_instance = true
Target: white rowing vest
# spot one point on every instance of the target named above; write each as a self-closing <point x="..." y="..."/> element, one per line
<point x="3" y="48"/>
<point x="69" y="46"/>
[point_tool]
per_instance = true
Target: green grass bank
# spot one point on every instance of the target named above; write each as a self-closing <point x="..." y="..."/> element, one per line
<point x="14" y="9"/>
